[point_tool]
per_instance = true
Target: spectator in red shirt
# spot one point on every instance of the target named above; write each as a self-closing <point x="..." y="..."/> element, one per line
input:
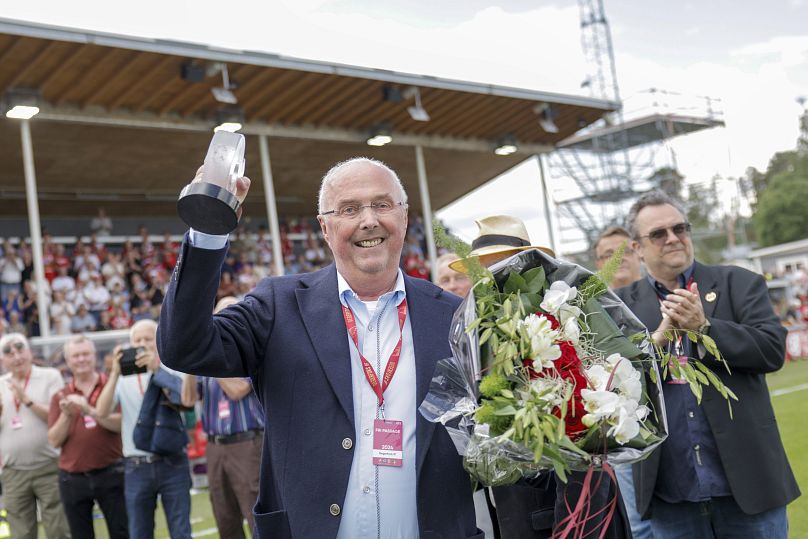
<point x="90" y="465"/>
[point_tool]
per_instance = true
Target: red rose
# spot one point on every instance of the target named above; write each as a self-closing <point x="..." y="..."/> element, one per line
<point x="553" y="320"/>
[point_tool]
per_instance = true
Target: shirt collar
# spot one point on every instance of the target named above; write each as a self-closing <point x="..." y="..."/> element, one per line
<point x="347" y="295"/>
<point x="684" y="277"/>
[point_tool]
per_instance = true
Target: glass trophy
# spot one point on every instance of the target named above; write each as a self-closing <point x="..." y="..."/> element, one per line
<point x="210" y="205"/>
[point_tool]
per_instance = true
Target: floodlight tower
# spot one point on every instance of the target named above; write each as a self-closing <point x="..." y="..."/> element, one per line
<point x="616" y="159"/>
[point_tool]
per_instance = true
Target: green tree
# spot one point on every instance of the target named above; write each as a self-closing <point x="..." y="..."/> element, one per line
<point x="781" y="214"/>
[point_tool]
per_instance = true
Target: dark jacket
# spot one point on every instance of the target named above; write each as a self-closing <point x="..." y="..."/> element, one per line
<point x="752" y="340"/>
<point x="289" y="336"/>
<point x="160" y="428"/>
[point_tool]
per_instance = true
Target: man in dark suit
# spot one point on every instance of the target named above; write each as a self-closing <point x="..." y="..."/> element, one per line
<point x="345" y="452"/>
<point x="715" y="475"/>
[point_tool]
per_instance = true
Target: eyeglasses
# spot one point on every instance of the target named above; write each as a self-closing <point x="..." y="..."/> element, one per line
<point x="608" y="254"/>
<point x="18" y="346"/>
<point x="660" y="235"/>
<point x="351" y="211"/>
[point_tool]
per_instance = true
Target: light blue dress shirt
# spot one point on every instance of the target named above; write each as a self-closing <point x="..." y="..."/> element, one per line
<point x="390" y="497"/>
<point x="380" y="500"/>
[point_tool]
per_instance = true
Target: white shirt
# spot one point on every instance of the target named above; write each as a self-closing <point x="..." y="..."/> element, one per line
<point x="396" y="485"/>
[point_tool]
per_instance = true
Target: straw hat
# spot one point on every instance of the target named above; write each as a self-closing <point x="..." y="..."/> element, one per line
<point x="499" y="237"/>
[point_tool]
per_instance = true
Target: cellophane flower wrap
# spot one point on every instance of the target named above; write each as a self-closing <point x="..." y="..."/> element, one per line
<point x="545" y="375"/>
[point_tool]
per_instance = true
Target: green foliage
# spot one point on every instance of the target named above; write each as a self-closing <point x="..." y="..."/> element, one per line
<point x="493" y="384"/>
<point x="492" y="416"/>
<point x="781" y="215"/>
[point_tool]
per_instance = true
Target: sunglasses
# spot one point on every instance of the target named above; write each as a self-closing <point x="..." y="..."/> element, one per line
<point x="660" y="235"/>
<point x="18" y="346"/>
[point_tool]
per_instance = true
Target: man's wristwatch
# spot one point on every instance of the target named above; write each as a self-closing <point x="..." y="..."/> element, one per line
<point x="704" y="329"/>
<point x="29" y="403"/>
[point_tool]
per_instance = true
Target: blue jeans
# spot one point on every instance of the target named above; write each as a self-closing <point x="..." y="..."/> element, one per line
<point x="640" y="529"/>
<point x="717" y="518"/>
<point x="168" y="477"/>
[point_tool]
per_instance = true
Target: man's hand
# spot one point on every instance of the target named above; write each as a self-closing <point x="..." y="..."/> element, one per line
<point x="684" y="308"/>
<point x="77" y="403"/>
<point x="658" y="336"/>
<point x="115" y="367"/>
<point x="17" y="390"/>
<point x="67" y="407"/>
<point x="147" y="358"/>
<point x="242" y="185"/>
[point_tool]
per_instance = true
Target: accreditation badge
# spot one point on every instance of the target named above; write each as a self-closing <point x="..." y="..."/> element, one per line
<point x="89" y="422"/>
<point x="674" y="380"/>
<point x="388" y="442"/>
<point x="16" y="422"/>
<point x="224" y="409"/>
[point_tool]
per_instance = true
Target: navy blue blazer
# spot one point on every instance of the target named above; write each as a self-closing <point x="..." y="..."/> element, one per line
<point x="752" y="340"/>
<point x="289" y="336"/>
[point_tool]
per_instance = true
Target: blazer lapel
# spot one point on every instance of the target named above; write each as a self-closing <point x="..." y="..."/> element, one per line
<point x="708" y="288"/>
<point x="425" y="313"/>
<point x="645" y="305"/>
<point x="320" y="309"/>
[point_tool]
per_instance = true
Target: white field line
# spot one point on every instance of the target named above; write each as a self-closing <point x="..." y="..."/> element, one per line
<point x="787" y="390"/>
<point x="205" y="533"/>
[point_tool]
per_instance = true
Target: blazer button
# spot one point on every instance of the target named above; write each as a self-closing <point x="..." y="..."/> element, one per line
<point x="347" y="443"/>
<point x="334" y="509"/>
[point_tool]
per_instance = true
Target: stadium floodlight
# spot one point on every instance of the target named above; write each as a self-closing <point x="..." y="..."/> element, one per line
<point x="506" y="146"/>
<point x="225" y="93"/>
<point x="380" y="135"/>
<point x="417" y="111"/>
<point x="547" y="115"/>
<point x="22" y="103"/>
<point x="229" y="118"/>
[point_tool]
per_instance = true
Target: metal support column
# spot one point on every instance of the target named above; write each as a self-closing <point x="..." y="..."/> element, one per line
<point x="34" y="228"/>
<point x="426" y="205"/>
<point x="546" y="199"/>
<point x="272" y="208"/>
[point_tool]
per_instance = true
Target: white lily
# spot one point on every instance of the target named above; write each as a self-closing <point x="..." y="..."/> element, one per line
<point x="542" y="337"/>
<point x="626" y="427"/>
<point x="557" y="295"/>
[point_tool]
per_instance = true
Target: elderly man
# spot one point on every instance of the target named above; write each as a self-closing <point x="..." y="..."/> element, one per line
<point x="456" y="282"/>
<point x="90" y="465"/>
<point x="147" y="475"/>
<point x="340" y="358"/>
<point x="234" y="422"/>
<point x="607" y="243"/>
<point x="716" y="475"/>
<point x="30" y="472"/>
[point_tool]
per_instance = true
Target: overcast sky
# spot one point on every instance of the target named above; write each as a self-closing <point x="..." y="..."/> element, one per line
<point x="752" y="55"/>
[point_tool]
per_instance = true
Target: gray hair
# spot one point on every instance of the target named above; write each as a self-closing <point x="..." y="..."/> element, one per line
<point x="10" y="338"/>
<point x="608" y="233"/>
<point x="335" y="172"/>
<point x="652" y="198"/>
<point x="76" y="339"/>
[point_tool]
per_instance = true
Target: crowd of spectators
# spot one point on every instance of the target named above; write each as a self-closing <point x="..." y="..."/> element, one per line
<point x="93" y="285"/>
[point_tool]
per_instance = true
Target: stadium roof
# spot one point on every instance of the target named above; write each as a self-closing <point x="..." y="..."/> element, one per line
<point x="121" y="127"/>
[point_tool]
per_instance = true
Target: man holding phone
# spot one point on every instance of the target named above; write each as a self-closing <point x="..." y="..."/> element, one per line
<point x="147" y="474"/>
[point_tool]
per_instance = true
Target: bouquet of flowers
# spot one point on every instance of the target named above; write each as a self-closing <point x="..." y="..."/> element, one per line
<point x="550" y="371"/>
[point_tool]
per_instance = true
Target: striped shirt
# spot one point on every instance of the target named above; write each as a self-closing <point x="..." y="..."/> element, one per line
<point x="222" y="416"/>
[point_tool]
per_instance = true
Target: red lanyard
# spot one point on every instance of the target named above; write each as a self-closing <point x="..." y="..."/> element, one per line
<point x="17" y="401"/>
<point x="94" y="394"/>
<point x="139" y="384"/>
<point x="392" y="363"/>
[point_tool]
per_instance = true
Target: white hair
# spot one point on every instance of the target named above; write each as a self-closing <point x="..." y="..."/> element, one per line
<point x="10" y="338"/>
<point x="335" y="172"/>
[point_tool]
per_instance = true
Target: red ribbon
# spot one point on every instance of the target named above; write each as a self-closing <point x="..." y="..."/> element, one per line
<point x="581" y="522"/>
<point x="392" y="362"/>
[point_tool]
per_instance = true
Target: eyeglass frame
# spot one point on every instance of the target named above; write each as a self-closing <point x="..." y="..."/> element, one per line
<point x="608" y="254"/>
<point x="685" y="232"/>
<point x="18" y="345"/>
<point x="338" y="213"/>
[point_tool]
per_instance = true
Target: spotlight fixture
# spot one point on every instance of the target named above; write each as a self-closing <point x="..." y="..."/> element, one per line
<point x="506" y="146"/>
<point x="417" y="111"/>
<point x="224" y="94"/>
<point x="380" y="135"/>
<point x="392" y="94"/>
<point x="22" y="103"/>
<point x="547" y="115"/>
<point x="192" y="72"/>
<point x="229" y="118"/>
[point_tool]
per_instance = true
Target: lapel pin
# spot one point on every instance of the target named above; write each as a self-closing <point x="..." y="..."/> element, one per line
<point x="710" y="297"/>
